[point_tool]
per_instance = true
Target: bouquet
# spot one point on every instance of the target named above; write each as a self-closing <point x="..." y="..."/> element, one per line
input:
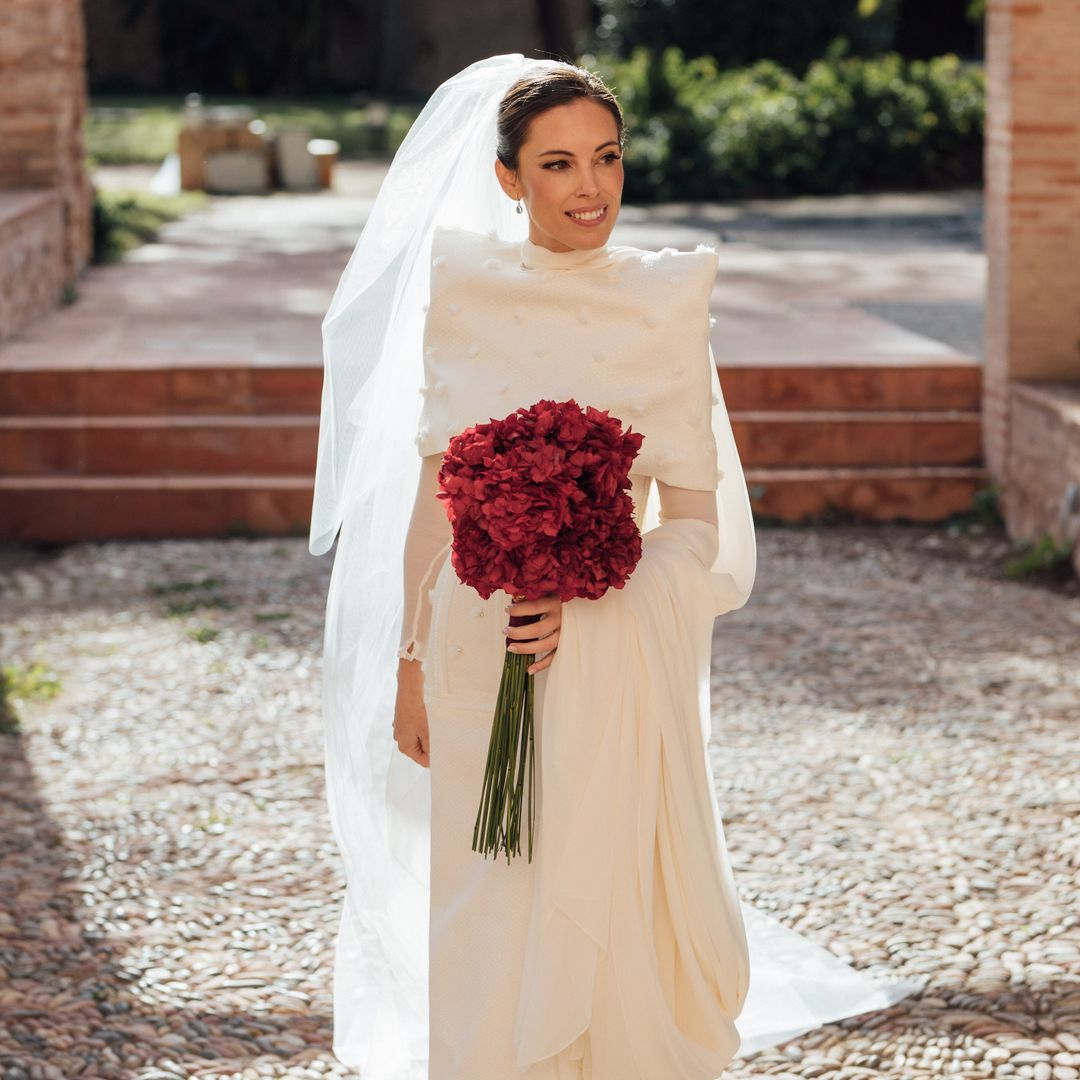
<point x="538" y="504"/>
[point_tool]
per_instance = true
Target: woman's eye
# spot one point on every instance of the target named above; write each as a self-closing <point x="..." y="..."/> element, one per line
<point x="562" y="161"/>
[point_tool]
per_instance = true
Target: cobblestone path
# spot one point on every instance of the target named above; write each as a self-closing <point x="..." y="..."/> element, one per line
<point x="895" y="747"/>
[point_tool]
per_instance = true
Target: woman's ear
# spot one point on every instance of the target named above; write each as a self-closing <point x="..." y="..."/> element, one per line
<point x="507" y="180"/>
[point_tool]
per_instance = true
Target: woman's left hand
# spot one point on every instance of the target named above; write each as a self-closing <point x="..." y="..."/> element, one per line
<point x="545" y="629"/>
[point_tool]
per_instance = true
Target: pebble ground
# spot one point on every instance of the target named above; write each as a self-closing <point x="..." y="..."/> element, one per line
<point x="895" y="749"/>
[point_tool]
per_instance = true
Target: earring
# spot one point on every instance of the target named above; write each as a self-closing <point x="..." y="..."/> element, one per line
<point x="519" y="210"/>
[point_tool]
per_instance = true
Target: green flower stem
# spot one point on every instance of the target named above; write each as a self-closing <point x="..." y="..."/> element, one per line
<point x="511" y="753"/>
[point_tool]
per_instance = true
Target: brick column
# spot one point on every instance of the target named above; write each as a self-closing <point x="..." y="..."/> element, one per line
<point x="1032" y="200"/>
<point x="1031" y="382"/>
<point x="42" y="109"/>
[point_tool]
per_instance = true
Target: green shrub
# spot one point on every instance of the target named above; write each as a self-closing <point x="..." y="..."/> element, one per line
<point x="123" y="218"/>
<point x="849" y="124"/>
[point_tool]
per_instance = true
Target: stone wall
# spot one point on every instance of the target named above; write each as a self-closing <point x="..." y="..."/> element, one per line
<point x="31" y="256"/>
<point x="42" y="109"/>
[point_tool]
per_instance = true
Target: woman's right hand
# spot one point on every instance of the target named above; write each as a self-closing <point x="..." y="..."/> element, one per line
<point x="410" y="713"/>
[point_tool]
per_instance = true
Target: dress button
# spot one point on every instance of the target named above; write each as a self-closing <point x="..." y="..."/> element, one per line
<point x="453" y="307"/>
<point x="650" y="320"/>
<point x="599" y="357"/>
<point x="540" y="352"/>
<point x="583" y="313"/>
<point x="503" y="389"/>
<point x="424" y="306"/>
<point x="438" y="260"/>
<point x="675" y="279"/>
<point x="474" y="349"/>
<point x="458" y="650"/>
<point x="715" y="398"/>
<point x="519" y="314"/>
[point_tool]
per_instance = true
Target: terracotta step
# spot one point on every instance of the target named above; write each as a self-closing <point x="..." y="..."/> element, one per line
<point x="62" y="509"/>
<point x="843" y="386"/>
<point x="926" y="493"/>
<point x="292" y="390"/>
<point x="159" y="445"/>
<point x="156" y="391"/>
<point x="864" y="437"/>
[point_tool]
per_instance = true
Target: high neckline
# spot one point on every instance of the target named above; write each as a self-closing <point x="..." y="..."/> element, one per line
<point x="538" y="257"/>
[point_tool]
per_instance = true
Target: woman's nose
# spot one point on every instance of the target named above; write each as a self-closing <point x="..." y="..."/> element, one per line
<point x="588" y="185"/>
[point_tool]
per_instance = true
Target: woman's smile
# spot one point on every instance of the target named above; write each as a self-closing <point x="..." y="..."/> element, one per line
<point x="588" y="218"/>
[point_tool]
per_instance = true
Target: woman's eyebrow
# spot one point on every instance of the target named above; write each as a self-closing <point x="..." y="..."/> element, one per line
<point x="570" y="153"/>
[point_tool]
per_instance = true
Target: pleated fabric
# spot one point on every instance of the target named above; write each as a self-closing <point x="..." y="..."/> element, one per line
<point x="619" y="952"/>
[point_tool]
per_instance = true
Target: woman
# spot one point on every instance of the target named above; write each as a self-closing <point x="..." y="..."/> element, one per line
<point x="619" y="952"/>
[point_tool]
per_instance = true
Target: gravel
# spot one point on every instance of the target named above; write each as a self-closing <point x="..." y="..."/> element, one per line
<point x="894" y="746"/>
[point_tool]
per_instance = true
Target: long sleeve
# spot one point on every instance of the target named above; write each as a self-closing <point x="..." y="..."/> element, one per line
<point x="428" y="539"/>
<point x="678" y="502"/>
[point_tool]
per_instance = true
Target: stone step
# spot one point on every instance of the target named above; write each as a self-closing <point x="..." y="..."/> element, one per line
<point x="157" y="391"/>
<point x="863" y="437"/>
<point x="158" y="445"/>
<point x="287" y="445"/>
<point x="900" y="386"/>
<point x="56" y="390"/>
<point x="64" y="509"/>
<point x="917" y="494"/>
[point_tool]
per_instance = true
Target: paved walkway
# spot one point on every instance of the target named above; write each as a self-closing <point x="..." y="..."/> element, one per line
<point x="894" y="750"/>
<point x="858" y="279"/>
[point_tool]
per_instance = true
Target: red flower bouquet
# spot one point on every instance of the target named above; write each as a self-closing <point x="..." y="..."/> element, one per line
<point x="538" y="503"/>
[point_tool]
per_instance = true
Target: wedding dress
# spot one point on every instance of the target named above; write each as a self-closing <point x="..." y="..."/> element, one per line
<point x="621" y="951"/>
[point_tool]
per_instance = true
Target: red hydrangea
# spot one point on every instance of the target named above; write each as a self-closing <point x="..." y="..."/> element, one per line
<point x="539" y="502"/>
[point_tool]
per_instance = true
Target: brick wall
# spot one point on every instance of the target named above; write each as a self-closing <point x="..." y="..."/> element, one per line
<point x="1032" y="230"/>
<point x="42" y="108"/>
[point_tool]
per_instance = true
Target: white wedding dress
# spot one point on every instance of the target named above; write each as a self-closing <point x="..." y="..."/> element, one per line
<point x="621" y="951"/>
<point x="522" y="971"/>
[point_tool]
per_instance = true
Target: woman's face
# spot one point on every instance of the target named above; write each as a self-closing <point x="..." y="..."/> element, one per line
<point x="570" y="161"/>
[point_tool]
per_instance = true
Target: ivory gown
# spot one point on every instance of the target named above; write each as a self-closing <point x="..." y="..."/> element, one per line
<point x="621" y="952"/>
<point x="481" y="907"/>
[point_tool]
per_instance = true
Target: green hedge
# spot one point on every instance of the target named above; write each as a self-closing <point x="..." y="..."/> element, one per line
<point x="850" y="123"/>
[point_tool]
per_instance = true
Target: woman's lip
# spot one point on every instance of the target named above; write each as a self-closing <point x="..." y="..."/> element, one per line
<point x="595" y="221"/>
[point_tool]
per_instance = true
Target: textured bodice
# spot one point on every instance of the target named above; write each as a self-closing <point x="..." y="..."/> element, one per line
<point x="622" y="329"/>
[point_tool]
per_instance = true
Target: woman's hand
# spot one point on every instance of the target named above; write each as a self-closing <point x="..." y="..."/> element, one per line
<point x="410" y="713"/>
<point x="545" y="629"/>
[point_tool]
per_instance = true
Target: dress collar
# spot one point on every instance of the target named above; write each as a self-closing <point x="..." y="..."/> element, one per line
<point x="537" y="257"/>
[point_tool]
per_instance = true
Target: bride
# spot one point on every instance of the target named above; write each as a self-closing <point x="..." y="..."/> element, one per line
<point x="484" y="281"/>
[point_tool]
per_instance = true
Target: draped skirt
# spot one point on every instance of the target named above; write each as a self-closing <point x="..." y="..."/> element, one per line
<point x="618" y="952"/>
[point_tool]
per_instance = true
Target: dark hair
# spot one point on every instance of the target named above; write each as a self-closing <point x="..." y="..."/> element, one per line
<point x="534" y="94"/>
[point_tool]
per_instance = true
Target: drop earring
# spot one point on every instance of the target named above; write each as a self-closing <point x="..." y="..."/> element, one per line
<point x="519" y="210"/>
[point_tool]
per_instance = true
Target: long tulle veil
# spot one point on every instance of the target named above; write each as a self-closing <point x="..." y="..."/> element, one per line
<point x="368" y="466"/>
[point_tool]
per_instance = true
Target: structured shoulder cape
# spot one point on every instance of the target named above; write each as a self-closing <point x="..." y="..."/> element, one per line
<point x="618" y="328"/>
